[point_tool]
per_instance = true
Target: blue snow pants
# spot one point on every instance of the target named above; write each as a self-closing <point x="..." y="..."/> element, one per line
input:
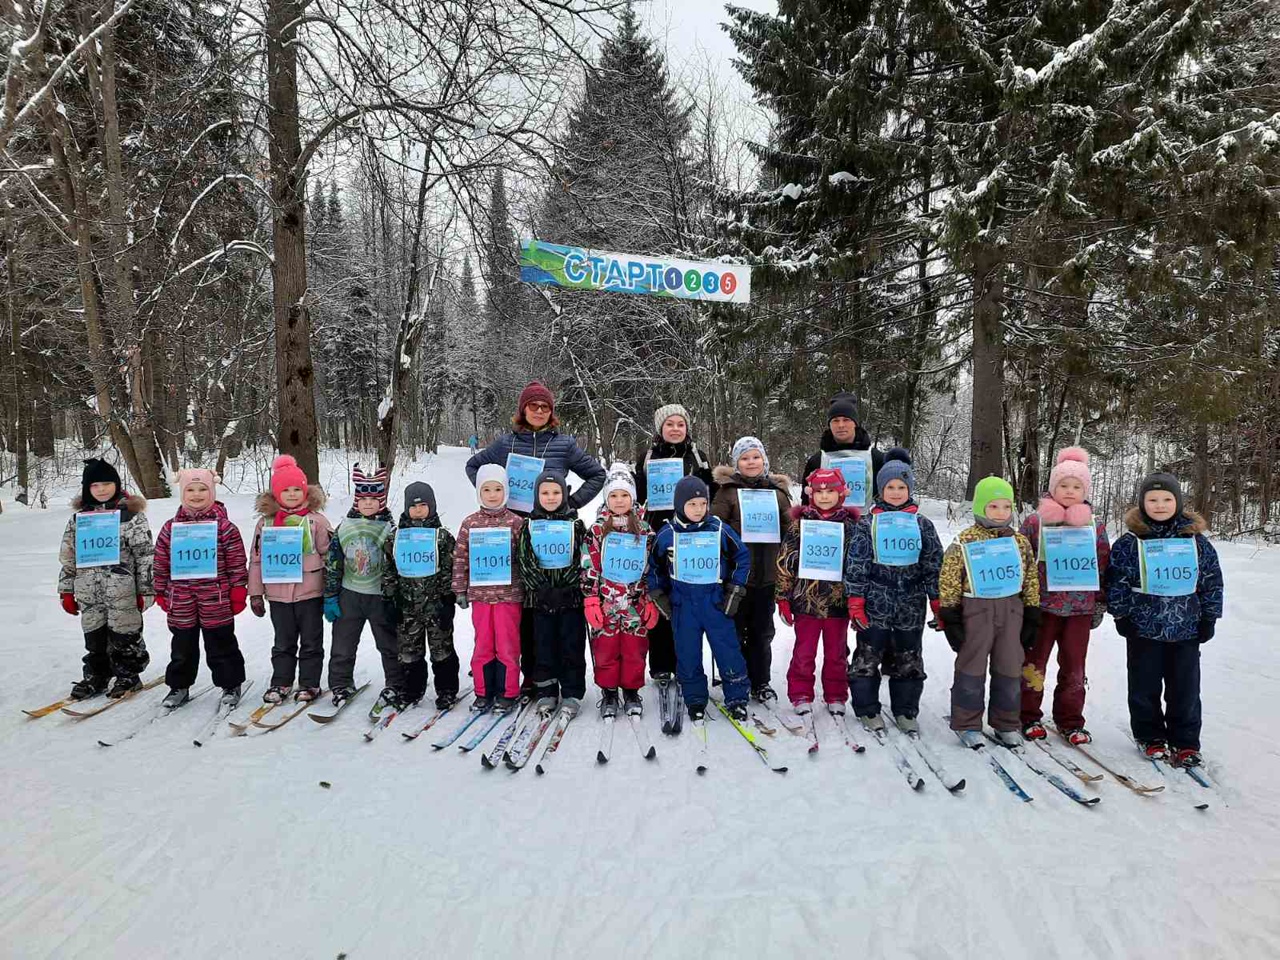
<point x="692" y="615"/>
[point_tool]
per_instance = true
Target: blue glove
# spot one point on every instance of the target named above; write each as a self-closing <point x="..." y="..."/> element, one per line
<point x="332" y="609"/>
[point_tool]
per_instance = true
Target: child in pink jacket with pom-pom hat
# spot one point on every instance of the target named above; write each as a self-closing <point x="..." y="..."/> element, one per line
<point x="1067" y="615"/>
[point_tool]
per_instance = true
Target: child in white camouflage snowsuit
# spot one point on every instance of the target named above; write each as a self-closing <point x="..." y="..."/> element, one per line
<point x="424" y="604"/>
<point x="109" y="599"/>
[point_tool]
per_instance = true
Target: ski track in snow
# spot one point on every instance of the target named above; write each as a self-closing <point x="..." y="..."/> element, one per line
<point x="155" y="848"/>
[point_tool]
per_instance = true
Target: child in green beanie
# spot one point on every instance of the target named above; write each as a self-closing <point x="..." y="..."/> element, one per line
<point x="989" y="593"/>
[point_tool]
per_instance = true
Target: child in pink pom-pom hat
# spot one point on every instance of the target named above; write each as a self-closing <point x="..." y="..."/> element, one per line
<point x="1067" y="615"/>
<point x="297" y="605"/>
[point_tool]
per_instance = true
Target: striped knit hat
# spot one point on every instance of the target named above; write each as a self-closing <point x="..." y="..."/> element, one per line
<point x="369" y="485"/>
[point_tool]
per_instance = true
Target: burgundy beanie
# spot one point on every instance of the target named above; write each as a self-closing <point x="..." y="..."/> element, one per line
<point x="535" y="391"/>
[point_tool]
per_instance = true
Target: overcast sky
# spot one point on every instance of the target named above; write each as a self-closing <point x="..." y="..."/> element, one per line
<point x="691" y="31"/>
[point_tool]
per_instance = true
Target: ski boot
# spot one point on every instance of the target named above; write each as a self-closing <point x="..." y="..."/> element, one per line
<point x="88" y="687"/>
<point x="504" y="704"/>
<point x="971" y="738"/>
<point x="801" y="708"/>
<point x="342" y="694"/>
<point x="632" y="703"/>
<point x="609" y="704"/>
<point x="908" y="725"/>
<point x="445" y="699"/>
<point x="388" y="698"/>
<point x="481" y="704"/>
<point x="306" y="694"/>
<point x="276" y="694"/>
<point x="1078" y="737"/>
<point x="697" y="711"/>
<point x="176" y="697"/>
<point x="764" y="694"/>
<point x="1187" y="757"/>
<point x="1154" y="749"/>
<point x="874" y="723"/>
<point x="662" y="678"/>
<point x="738" y="711"/>
<point x="231" y="697"/>
<point x="124" y="684"/>
<point x="835" y="708"/>
<point x="1036" y="731"/>
<point x="1008" y="738"/>
<point x="571" y="706"/>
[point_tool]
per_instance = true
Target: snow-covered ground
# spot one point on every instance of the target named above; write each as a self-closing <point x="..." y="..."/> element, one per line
<point x="154" y="848"/>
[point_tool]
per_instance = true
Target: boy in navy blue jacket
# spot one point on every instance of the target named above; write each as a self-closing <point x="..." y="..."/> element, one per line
<point x="1164" y="588"/>
<point x="695" y="608"/>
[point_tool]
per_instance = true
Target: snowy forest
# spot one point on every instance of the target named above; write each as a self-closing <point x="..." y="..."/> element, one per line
<point x="231" y="228"/>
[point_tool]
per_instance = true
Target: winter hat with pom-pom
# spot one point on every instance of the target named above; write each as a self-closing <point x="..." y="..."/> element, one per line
<point x="826" y="478"/>
<point x="1071" y="462"/>
<point x="286" y="473"/>
<point x="897" y="466"/>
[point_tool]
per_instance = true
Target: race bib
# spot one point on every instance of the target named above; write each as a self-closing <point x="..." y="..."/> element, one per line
<point x="622" y="559"/>
<point x="552" y="542"/>
<point x="660" y="479"/>
<point x="489" y="554"/>
<point x="821" y="550"/>
<point x="698" y="557"/>
<point x="281" y="551"/>
<point x="98" y="539"/>
<point x="1070" y="558"/>
<point x="417" y="552"/>
<point x="896" y="539"/>
<point x="193" y="551"/>
<point x="1169" y="568"/>
<point x="855" y="467"/>
<point x="994" y="568"/>
<point x="759" y="512"/>
<point x="522" y="477"/>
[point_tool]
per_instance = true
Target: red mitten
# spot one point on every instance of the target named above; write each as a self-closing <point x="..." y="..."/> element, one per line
<point x="144" y="602"/>
<point x="784" y="611"/>
<point x="936" y="607"/>
<point x="239" y="600"/>
<point x="650" y="619"/>
<point x="595" y="615"/>
<point x="69" y="604"/>
<point x="858" y="613"/>
<point x="162" y="602"/>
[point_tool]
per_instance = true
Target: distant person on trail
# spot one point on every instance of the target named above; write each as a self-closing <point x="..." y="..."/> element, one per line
<point x="473" y="443"/>
<point x="533" y="446"/>
<point x="844" y="433"/>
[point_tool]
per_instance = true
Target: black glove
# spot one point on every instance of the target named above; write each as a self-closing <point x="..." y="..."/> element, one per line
<point x="1204" y="633"/>
<point x="952" y="620"/>
<point x="1030" y="627"/>
<point x="733" y="595"/>
<point x="662" y="602"/>
<point x="1126" y="628"/>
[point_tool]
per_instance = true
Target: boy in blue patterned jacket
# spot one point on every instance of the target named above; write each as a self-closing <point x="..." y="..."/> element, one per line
<point x="1164" y="588"/>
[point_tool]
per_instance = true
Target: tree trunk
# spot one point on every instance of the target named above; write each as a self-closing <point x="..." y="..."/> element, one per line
<point x="295" y="376"/>
<point x="988" y="366"/>
<point x="21" y="400"/>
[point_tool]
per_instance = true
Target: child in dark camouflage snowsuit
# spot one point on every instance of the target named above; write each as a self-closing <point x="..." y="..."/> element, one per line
<point x="424" y="604"/>
<point x="109" y="599"/>
<point x="553" y="596"/>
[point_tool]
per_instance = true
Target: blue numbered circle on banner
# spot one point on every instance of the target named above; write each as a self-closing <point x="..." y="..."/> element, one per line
<point x="661" y="477"/>
<point x="623" y="557"/>
<point x="759" y="512"/>
<point x="552" y="542"/>
<point x="697" y="556"/>
<point x="896" y="539"/>
<point x="417" y="552"/>
<point x="281" y="551"/>
<point x="821" y="550"/>
<point x="193" y="551"/>
<point x="490" y="556"/>
<point x="98" y="539"/>
<point x="1070" y="558"/>
<point x="994" y="568"/>
<point x="1169" y="568"/>
<point x="855" y="467"/>
<point x="522" y="477"/>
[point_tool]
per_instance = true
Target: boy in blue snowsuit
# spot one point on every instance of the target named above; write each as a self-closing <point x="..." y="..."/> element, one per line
<point x="698" y="608"/>
<point x="1164" y="632"/>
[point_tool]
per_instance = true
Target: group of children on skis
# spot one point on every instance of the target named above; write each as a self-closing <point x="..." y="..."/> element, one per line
<point x="716" y="555"/>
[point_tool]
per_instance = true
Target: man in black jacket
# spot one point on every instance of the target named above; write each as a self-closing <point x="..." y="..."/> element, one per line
<point x="843" y="432"/>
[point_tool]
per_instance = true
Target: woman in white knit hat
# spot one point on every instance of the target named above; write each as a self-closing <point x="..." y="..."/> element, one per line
<point x="676" y="456"/>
